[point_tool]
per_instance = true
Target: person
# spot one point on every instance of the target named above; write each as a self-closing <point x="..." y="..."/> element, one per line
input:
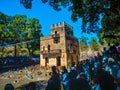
<point x="54" y="81"/>
<point x="31" y="86"/>
<point x="104" y="80"/>
<point x="104" y="51"/>
<point x="9" y="86"/>
<point x="81" y="82"/>
<point x="65" y="78"/>
<point x="118" y="79"/>
<point x="72" y="67"/>
<point x="117" y="48"/>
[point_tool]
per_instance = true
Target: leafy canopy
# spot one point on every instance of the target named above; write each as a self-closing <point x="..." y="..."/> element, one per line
<point x="90" y="11"/>
<point x="94" y="44"/>
<point x="18" y="30"/>
<point x="83" y="43"/>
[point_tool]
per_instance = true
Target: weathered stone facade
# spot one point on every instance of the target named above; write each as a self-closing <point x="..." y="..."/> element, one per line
<point x="60" y="48"/>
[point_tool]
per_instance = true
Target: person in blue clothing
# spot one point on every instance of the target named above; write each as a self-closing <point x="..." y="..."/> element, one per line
<point x="65" y="78"/>
<point x="82" y="80"/>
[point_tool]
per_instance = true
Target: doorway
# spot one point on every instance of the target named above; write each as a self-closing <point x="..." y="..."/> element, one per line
<point x="46" y="61"/>
<point x="58" y="61"/>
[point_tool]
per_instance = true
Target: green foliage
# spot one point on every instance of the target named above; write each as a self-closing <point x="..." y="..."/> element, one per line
<point x="93" y="13"/>
<point x="33" y="32"/>
<point x="111" y="28"/>
<point x="94" y="44"/>
<point x="83" y="43"/>
<point x="90" y="11"/>
<point x="83" y="46"/>
<point x="19" y="29"/>
<point x="26" y="3"/>
<point x="83" y="39"/>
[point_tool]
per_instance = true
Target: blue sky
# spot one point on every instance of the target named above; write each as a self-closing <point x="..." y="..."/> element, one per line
<point x="44" y="13"/>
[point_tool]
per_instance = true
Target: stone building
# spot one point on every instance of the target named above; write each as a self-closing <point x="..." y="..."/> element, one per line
<point x="60" y="48"/>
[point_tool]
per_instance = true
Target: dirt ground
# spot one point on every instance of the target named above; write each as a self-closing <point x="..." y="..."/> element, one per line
<point x="19" y="79"/>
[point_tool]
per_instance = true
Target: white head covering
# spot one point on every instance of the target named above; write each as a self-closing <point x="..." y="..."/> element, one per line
<point x="111" y="60"/>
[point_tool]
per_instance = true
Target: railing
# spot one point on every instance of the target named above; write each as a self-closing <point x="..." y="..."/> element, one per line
<point x="51" y="51"/>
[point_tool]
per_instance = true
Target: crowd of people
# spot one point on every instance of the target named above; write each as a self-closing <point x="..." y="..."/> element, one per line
<point x="101" y="72"/>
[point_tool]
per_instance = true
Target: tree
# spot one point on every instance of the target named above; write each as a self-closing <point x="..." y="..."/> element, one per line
<point x="91" y="12"/>
<point x="83" y="39"/>
<point x="17" y="30"/>
<point x="109" y="36"/>
<point x="83" y="46"/>
<point x="33" y="33"/>
<point x="83" y="43"/>
<point x="94" y="13"/>
<point x="94" y="44"/>
<point x="4" y="31"/>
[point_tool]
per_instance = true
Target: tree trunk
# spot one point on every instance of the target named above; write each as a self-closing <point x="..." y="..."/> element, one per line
<point x="15" y="52"/>
<point x="2" y="52"/>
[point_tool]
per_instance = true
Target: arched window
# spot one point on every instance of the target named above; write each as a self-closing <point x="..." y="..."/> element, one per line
<point x="48" y="47"/>
<point x="55" y="32"/>
<point x="46" y="61"/>
<point x="43" y="48"/>
<point x="58" y="61"/>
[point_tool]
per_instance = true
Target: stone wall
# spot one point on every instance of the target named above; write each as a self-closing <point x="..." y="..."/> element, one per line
<point x="66" y="55"/>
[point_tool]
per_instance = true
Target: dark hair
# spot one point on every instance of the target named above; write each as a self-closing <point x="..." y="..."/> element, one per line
<point x="9" y="87"/>
<point x="64" y="69"/>
<point x="80" y="68"/>
<point x="31" y="86"/>
<point x="53" y="68"/>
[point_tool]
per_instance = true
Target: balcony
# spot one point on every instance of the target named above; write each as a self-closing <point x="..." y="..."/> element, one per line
<point x="55" y="35"/>
<point x="51" y="51"/>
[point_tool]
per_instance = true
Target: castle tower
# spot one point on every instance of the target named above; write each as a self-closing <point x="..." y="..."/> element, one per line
<point x="60" y="48"/>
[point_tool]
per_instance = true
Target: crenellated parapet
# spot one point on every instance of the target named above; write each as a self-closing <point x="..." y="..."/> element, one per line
<point x="61" y="24"/>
